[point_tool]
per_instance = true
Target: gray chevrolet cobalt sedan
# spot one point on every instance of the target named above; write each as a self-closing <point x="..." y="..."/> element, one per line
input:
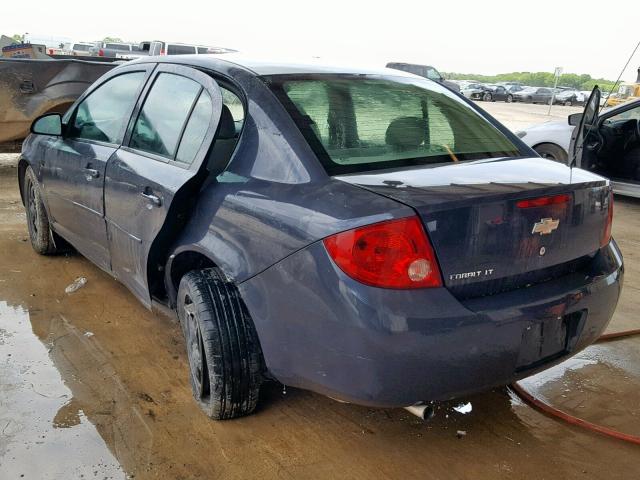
<point x="369" y="235"/>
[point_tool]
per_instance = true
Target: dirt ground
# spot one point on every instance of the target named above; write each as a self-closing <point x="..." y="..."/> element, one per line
<point x="92" y="385"/>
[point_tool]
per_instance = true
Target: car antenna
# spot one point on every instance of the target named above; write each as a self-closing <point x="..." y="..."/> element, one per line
<point x="621" y="72"/>
<point x="575" y="150"/>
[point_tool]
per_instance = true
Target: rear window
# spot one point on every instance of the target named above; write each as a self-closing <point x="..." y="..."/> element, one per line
<point x="357" y="124"/>
<point x="80" y="47"/>
<point x="180" y="49"/>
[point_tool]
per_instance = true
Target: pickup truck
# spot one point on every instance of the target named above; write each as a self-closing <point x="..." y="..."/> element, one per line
<point x="32" y="87"/>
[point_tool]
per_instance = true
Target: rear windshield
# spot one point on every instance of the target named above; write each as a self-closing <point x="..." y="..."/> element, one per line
<point x="358" y="123"/>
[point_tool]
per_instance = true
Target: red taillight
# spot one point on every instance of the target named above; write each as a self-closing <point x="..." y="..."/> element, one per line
<point x="391" y="254"/>
<point x="162" y="52"/>
<point x="543" y="201"/>
<point x="606" y="235"/>
<point x="101" y="53"/>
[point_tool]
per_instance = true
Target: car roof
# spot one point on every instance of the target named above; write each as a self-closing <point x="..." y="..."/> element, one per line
<point x="262" y="67"/>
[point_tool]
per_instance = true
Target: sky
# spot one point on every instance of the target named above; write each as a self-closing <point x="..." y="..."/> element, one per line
<point x="484" y="37"/>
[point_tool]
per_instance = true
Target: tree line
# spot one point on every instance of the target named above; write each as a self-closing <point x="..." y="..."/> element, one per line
<point x="538" y="79"/>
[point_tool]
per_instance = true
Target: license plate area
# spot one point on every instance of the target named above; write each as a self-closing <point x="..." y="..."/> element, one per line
<point x="549" y="339"/>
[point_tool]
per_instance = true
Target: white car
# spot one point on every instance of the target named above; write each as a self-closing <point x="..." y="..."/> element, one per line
<point x="550" y="140"/>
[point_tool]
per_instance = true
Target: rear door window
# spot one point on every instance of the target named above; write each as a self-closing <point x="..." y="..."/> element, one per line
<point x="195" y="130"/>
<point x="163" y="116"/>
<point x="103" y="115"/>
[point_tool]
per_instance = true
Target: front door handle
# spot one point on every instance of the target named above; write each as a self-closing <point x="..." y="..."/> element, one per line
<point x="152" y="198"/>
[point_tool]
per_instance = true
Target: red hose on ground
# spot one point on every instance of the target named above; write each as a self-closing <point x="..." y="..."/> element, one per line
<point x="554" y="412"/>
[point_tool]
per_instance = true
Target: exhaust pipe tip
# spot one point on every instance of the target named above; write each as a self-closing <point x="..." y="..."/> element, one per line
<point x="424" y="412"/>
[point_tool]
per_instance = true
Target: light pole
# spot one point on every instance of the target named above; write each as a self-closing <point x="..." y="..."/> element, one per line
<point x="557" y="74"/>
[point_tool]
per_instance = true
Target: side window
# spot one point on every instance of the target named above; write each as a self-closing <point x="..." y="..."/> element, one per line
<point x="164" y="113"/>
<point x="234" y="104"/>
<point x="195" y="130"/>
<point x="231" y="120"/>
<point x="102" y="116"/>
<point x="203" y="50"/>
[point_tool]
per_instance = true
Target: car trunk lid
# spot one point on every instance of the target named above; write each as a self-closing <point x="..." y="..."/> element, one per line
<point x="500" y="225"/>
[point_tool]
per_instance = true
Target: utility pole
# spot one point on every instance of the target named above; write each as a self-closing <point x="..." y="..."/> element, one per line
<point x="557" y="74"/>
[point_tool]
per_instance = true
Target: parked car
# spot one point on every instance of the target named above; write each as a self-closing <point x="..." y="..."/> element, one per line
<point x="473" y="90"/>
<point x="158" y="47"/>
<point x="363" y="234"/>
<point x="426" y="71"/>
<point x="494" y="93"/>
<point x="533" y="95"/>
<point x="613" y="145"/>
<point x="513" y="88"/>
<point x="570" y="97"/>
<point x="78" y="49"/>
<point x="126" y="51"/>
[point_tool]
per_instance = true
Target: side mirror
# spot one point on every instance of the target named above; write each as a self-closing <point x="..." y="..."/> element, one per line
<point x="574" y="119"/>
<point x="49" y="124"/>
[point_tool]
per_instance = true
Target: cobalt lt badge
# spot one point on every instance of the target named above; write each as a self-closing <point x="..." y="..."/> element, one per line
<point x="545" y="226"/>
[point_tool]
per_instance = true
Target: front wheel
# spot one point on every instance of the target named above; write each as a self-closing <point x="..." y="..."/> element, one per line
<point x="509" y="98"/>
<point x="487" y="97"/>
<point x="40" y="232"/>
<point x="225" y="359"/>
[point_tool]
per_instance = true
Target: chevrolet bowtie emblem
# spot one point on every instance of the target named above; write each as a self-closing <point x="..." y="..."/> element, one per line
<point x="545" y="226"/>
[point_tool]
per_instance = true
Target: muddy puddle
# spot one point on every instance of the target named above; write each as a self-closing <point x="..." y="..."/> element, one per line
<point x="600" y="385"/>
<point x="44" y="428"/>
<point x="92" y="385"/>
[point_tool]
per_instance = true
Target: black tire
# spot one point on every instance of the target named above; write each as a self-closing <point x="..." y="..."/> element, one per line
<point x="487" y="97"/>
<point x="552" y="152"/>
<point x="509" y="98"/>
<point x="40" y="234"/>
<point x="568" y="103"/>
<point x="225" y="359"/>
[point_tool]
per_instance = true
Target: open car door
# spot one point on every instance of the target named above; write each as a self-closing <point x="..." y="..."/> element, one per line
<point x="586" y="128"/>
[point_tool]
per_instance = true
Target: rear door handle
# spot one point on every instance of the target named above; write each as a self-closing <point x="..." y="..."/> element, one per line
<point x="152" y="198"/>
<point x="91" y="173"/>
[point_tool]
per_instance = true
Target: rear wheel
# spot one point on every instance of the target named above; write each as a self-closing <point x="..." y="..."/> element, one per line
<point x="40" y="232"/>
<point x="568" y="103"/>
<point x="551" y="152"/>
<point x="225" y="360"/>
<point x="509" y="98"/>
<point x="487" y="97"/>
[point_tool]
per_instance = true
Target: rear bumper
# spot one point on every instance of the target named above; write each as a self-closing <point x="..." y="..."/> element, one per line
<point x="322" y="331"/>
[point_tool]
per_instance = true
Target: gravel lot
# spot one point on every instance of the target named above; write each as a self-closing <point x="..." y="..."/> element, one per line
<point x="517" y="116"/>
